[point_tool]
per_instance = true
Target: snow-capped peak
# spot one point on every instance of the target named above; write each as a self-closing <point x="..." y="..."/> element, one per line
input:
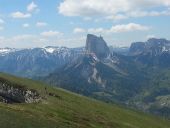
<point x="50" y="49"/>
<point x="6" y="50"/>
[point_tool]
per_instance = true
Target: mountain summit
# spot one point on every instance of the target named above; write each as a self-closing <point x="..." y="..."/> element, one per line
<point x="152" y="46"/>
<point x="97" y="45"/>
<point x="153" y="52"/>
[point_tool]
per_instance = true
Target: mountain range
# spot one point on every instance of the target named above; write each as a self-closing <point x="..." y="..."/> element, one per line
<point x="137" y="77"/>
<point x="36" y="61"/>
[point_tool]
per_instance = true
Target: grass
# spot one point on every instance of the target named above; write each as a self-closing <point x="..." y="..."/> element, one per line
<point x="70" y="111"/>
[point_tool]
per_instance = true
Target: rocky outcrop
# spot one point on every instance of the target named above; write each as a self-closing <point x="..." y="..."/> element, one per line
<point x="153" y="47"/>
<point x="153" y="52"/>
<point x="97" y="45"/>
<point x="11" y="93"/>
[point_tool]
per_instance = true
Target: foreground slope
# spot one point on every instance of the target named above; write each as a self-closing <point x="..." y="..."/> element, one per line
<point x="59" y="108"/>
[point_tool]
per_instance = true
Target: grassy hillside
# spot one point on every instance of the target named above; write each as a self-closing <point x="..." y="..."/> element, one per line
<point x="63" y="109"/>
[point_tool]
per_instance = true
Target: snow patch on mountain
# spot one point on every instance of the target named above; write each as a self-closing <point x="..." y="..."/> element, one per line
<point x="50" y="49"/>
<point x="4" y="51"/>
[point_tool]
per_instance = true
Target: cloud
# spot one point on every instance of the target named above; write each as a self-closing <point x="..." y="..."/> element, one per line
<point x="150" y="36"/>
<point x="2" y="21"/>
<point x="139" y="13"/>
<point x="1" y="38"/>
<point x="112" y="9"/>
<point x="32" y="7"/>
<point x="41" y="24"/>
<point x="128" y="28"/>
<point x="79" y="30"/>
<point x="22" y="37"/>
<point x="88" y="8"/>
<point x="21" y="41"/>
<point x="30" y="41"/>
<point x="1" y="28"/>
<point x="20" y="15"/>
<point x="117" y="17"/>
<point x="121" y="28"/>
<point x="87" y="18"/>
<point x="51" y="34"/>
<point x="26" y="25"/>
<point x="97" y="30"/>
<point x="146" y="13"/>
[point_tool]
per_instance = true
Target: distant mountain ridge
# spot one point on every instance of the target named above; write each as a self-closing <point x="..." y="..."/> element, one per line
<point x="31" y="62"/>
<point x="152" y="46"/>
<point x="154" y="52"/>
<point x="36" y="61"/>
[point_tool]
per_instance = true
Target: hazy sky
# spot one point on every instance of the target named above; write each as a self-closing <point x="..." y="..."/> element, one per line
<point x="38" y="23"/>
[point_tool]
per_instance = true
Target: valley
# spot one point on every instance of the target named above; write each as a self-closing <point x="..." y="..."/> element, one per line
<point x="60" y="108"/>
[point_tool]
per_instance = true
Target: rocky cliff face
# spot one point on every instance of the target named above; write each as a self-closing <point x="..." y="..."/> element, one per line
<point x="152" y="47"/>
<point x="97" y="46"/>
<point x="153" y="52"/>
<point x="17" y="94"/>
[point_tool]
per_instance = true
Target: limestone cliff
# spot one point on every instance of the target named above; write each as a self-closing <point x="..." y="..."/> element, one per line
<point x="97" y="45"/>
<point x="13" y="93"/>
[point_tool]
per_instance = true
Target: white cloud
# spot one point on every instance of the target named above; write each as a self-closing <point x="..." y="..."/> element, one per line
<point x="20" y="15"/>
<point x="97" y="30"/>
<point x="41" y="24"/>
<point x="22" y="37"/>
<point x="30" y="41"/>
<point x="26" y="25"/>
<point x="21" y="41"/>
<point x="121" y="28"/>
<point x="139" y="13"/>
<point x="90" y="8"/>
<point x="128" y="28"/>
<point x="32" y="7"/>
<point x="150" y="36"/>
<point x="114" y="9"/>
<point x="1" y="28"/>
<point x="87" y="18"/>
<point x="79" y="30"/>
<point x="2" y="21"/>
<point x="146" y="13"/>
<point x="51" y="34"/>
<point x="2" y="40"/>
<point x="117" y="17"/>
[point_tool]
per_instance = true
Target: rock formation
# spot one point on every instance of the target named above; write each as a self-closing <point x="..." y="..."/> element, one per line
<point x="97" y="45"/>
<point x="10" y="93"/>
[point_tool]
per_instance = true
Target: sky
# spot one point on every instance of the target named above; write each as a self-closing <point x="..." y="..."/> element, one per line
<point x="40" y="23"/>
